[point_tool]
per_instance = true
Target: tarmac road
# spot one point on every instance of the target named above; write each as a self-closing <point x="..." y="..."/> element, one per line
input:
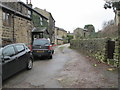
<point x="43" y="74"/>
<point x="67" y="69"/>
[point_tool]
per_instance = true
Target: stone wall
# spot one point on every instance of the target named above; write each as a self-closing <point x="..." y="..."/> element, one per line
<point x="59" y="42"/>
<point x="16" y="23"/>
<point x="96" y="48"/>
<point x="22" y="29"/>
<point x="60" y="34"/>
<point x="0" y="26"/>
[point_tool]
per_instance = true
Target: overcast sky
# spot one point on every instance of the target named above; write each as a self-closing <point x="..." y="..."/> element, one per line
<point x="70" y="14"/>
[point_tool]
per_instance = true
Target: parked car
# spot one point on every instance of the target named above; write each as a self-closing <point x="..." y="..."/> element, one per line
<point x="42" y="47"/>
<point x="15" y="57"/>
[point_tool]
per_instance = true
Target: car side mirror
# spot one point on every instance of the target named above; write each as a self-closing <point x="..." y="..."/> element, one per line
<point x="2" y="59"/>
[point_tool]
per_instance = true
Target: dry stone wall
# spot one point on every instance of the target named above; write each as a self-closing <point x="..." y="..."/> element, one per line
<point x="96" y="48"/>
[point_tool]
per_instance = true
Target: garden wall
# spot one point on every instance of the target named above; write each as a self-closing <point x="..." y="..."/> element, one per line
<point x="98" y="48"/>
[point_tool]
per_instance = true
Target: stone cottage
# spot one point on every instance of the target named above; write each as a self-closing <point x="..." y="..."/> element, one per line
<point x="60" y="34"/>
<point x="80" y="33"/>
<point x="51" y="22"/>
<point x="16" y="24"/>
<point x="40" y="23"/>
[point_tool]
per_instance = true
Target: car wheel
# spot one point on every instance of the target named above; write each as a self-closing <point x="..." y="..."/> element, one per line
<point x="53" y="52"/>
<point x="50" y="57"/>
<point x="30" y="64"/>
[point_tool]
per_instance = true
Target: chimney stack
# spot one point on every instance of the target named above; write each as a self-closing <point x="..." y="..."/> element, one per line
<point x="30" y="1"/>
<point x="26" y="1"/>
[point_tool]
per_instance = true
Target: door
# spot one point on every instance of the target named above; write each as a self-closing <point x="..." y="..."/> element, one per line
<point x="9" y="62"/>
<point x="111" y="49"/>
<point x="22" y="56"/>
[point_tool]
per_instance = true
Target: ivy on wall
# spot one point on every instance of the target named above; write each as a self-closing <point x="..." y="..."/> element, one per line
<point x="96" y="48"/>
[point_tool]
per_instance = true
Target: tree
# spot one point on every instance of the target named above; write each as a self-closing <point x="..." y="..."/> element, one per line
<point x="89" y="27"/>
<point x="108" y="23"/>
<point x="112" y="4"/>
<point x="69" y="37"/>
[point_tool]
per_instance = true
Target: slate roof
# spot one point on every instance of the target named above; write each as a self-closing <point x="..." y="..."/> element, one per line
<point x="37" y="29"/>
<point x="44" y="13"/>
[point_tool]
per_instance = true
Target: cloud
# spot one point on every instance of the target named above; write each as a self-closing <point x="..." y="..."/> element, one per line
<point x="70" y="14"/>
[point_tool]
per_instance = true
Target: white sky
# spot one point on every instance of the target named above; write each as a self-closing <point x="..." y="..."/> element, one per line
<point x="70" y="14"/>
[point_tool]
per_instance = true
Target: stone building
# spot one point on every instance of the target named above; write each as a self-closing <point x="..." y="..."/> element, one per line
<point x="60" y="34"/>
<point x="51" y="22"/>
<point x="1" y="26"/>
<point x="16" y="23"/>
<point x="80" y="33"/>
<point x="40" y="25"/>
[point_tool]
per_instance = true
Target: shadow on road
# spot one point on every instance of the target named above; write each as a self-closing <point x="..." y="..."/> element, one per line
<point x="41" y="58"/>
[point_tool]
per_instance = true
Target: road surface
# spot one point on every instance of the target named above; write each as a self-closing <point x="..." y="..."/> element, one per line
<point x="68" y="68"/>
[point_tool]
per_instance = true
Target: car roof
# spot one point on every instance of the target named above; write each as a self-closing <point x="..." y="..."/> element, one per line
<point x="13" y="44"/>
<point x="41" y="39"/>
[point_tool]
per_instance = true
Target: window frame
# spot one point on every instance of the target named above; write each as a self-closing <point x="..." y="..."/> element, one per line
<point x="41" y="21"/>
<point x="20" y="50"/>
<point x="7" y="18"/>
<point x="7" y="48"/>
<point x="29" y="13"/>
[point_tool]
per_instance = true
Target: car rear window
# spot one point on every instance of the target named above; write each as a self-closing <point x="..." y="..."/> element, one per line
<point x="41" y="42"/>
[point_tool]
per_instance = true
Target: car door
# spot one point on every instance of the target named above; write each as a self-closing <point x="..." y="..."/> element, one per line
<point x="22" y="56"/>
<point x="9" y="63"/>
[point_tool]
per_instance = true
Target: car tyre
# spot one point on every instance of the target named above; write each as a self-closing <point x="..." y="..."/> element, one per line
<point x="30" y="64"/>
<point x="50" y="57"/>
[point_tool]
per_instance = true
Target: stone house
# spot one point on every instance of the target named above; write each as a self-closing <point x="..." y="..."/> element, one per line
<point x="1" y="26"/>
<point x="40" y="25"/>
<point x="16" y="23"/>
<point x="60" y="34"/>
<point x="51" y="22"/>
<point x="80" y="33"/>
<point x="70" y="33"/>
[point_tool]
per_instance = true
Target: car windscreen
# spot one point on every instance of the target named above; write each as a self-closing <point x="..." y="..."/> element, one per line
<point x="41" y="42"/>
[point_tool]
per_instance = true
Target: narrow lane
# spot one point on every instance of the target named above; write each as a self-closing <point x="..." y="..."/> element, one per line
<point x="68" y="69"/>
<point x="43" y="74"/>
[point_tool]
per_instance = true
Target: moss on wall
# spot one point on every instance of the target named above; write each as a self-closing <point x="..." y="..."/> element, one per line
<point x="96" y="48"/>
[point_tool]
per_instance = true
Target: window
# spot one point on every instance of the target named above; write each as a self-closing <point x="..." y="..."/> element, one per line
<point x="4" y="16"/>
<point x="41" y="21"/>
<point x="20" y="48"/>
<point x="6" y="19"/>
<point x="29" y="13"/>
<point x="9" y="51"/>
<point x="19" y="7"/>
<point x="40" y="42"/>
